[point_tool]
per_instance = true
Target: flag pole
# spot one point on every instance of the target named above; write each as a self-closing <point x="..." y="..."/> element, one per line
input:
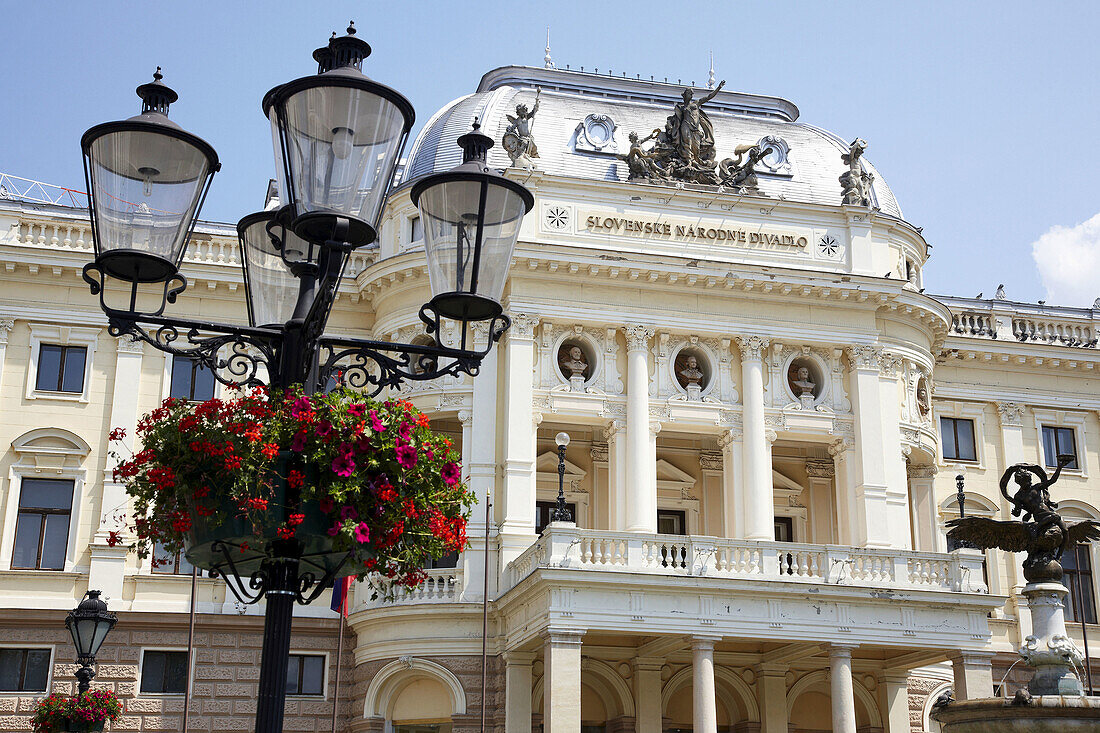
<point x="339" y="652"/>
<point x="190" y="649"/>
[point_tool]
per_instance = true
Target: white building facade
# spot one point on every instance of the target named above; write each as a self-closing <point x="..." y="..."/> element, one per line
<point x="767" y="414"/>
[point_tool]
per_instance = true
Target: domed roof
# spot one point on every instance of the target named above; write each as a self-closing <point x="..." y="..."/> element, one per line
<point x="583" y="120"/>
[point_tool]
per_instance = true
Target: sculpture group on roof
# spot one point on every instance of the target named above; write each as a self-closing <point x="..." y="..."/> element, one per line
<point x="684" y="150"/>
<point x="519" y="138"/>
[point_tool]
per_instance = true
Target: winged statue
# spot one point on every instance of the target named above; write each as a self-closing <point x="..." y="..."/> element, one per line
<point x="1041" y="532"/>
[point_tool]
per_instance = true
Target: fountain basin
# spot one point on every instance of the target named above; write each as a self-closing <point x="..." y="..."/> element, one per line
<point x="1045" y="714"/>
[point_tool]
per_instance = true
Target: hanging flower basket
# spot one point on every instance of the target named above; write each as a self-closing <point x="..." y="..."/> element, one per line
<point x="84" y="712"/>
<point x="326" y="478"/>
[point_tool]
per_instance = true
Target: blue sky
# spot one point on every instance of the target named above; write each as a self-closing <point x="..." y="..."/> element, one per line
<point x="982" y="116"/>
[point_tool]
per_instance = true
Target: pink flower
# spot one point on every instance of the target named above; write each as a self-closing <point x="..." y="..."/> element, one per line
<point x="404" y="430"/>
<point x="298" y="442"/>
<point x="375" y="423"/>
<point x="356" y="409"/>
<point x="348" y="512"/>
<point x="451" y="474"/>
<point x="406" y="456"/>
<point x="362" y="533"/>
<point x="429" y="454"/>
<point x="335" y="529"/>
<point x="300" y="405"/>
<point x="343" y="465"/>
<point x="324" y="429"/>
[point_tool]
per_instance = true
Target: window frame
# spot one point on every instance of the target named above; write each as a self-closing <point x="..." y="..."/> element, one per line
<point x="1055" y="431"/>
<point x="413" y="220"/>
<point x="51" y="650"/>
<point x="967" y="411"/>
<point x="955" y="439"/>
<point x="169" y="370"/>
<point x="167" y="650"/>
<point x="1074" y="421"/>
<point x="1075" y="592"/>
<point x="43" y="513"/>
<point x="43" y="334"/>
<point x="61" y="367"/>
<point x="324" y="674"/>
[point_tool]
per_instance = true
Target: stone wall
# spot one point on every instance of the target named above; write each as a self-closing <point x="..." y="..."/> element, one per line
<point x="226" y="671"/>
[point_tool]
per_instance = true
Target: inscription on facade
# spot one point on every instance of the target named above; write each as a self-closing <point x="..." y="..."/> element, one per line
<point x="735" y="234"/>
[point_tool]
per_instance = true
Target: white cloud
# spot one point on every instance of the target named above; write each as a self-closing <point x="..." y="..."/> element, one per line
<point x="1068" y="259"/>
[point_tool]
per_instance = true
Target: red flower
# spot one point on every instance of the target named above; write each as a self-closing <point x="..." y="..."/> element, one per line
<point x="285" y="533"/>
<point x="295" y="519"/>
<point x="232" y="463"/>
<point x="327" y="504"/>
<point x="254" y="433"/>
<point x="117" y="434"/>
<point x="201" y="492"/>
<point x="270" y="450"/>
<point x="422" y="420"/>
<point x="356" y="409"/>
<point x="295" y="479"/>
<point x="387" y="494"/>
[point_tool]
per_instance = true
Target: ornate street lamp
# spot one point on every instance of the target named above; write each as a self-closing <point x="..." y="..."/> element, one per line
<point x="89" y="623"/>
<point x="561" y="512"/>
<point x="337" y="138"/>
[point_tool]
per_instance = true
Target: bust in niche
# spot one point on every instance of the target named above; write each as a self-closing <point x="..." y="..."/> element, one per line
<point x="574" y="365"/>
<point x="689" y="375"/>
<point x="922" y="401"/>
<point x="803" y="385"/>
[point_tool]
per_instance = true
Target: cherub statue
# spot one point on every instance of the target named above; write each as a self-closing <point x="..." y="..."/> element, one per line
<point x="732" y="172"/>
<point x="855" y="182"/>
<point x="641" y="163"/>
<point x="519" y="139"/>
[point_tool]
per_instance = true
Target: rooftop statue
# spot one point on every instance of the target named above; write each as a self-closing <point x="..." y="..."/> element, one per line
<point x="519" y="139"/>
<point x="856" y="183"/>
<point x="1044" y="536"/>
<point x="684" y="150"/>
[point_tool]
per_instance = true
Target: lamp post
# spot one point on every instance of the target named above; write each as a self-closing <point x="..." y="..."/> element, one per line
<point x="89" y="623"/>
<point x="960" y="497"/>
<point x="561" y="512"/>
<point x="337" y="137"/>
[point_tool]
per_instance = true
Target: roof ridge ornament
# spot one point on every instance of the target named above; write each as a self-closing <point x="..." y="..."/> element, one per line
<point x="710" y="78"/>
<point x="547" y="61"/>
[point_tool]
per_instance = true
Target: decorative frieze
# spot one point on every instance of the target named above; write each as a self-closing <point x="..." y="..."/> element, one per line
<point x="820" y="469"/>
<point x="928" y="470"/>
<point x="711" y="460"/>
<point x="1012" y="413"/>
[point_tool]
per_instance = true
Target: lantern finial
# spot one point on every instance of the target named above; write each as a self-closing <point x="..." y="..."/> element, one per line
<point x="348" y="50"/>
<point x="475" y="144"/>
<point x="156" y="95"/>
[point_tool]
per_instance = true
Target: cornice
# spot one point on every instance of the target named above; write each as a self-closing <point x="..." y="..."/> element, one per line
<point x="962" y="351"/>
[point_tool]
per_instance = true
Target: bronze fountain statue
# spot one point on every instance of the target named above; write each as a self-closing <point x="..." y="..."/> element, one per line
<point x="1054" y="699"/>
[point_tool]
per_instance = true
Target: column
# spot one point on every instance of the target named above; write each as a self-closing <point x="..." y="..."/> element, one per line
<point x="893" y="688"/>
<point x="867" y="469"/>
<point x="973" y="675"/>
<point x="843" y="694"/>
<point x="517" y="691"/>
<point x="894" y="453"/>
<point x="561" y="688"/>
<point x="1012" y="443"/>
<point x="516" y="501"/>
<point x="704" y="707"/>
<point x="6" y="325"/>
<point x="641" y="440"/>
<point x="107" y="565"/>
<point x="759" y="509"/>
<point x="617" y="490"/>
<point x="841" y="451"/>
<point x="771" y="690"/>
<point x="733" y="483"/>
<point x="823" y="528"/>
<point x="647" y="695"/>
<point x="922" y="493"/>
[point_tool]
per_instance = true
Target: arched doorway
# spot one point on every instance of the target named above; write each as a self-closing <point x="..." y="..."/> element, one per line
<point x="415" y="696"/>
<point x="810" y="706"/>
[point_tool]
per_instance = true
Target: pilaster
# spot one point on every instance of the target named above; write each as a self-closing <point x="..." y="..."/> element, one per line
<point x="868" y="469"/>
<point x="973" y="675"/>
<point x="733" y="482"/>
<point x="893" y="689"/>
<point x="6" y="325"/>
<point x="517" y="691"/>
<point x="771" y="689"/>
<point x="517" y="498"/>
<point x="647" y="694"/>
<point x="561" y="691"/>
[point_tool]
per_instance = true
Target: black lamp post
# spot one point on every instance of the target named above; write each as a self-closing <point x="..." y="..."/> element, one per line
<point x="960" y="496"/>
<point x="561" y="512"/>
<point x="89" y="623"/>
<point x="337" y="138"/>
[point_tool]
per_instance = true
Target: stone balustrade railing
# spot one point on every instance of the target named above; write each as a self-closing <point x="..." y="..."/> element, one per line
<point x="1024" y="322"/>
<point x="565" y="546"/>
<point x="443" y="585"/>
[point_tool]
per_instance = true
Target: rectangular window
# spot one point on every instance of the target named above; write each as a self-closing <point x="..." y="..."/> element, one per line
<point x="170" y="563"/>
<point x="543" y="510"/>
<point x="1059" y="442"/>
<point x="416" y="230"/>
<point x="24" y="670"/>
<point x="164" y="672"/>
<point x="670" y="521"/>
<point x="958" y="439"/>
<point x="305" y="674"/>
<point x="61" y="368"/>
<point x="450" y="560"/>
<point x="1077" y="569"/>
<point x="191" y="380"/>
<point x="42" y="525"/>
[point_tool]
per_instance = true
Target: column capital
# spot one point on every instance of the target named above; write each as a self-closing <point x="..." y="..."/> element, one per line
<point x="705" y="641"/>
<point x="648" y="664"/>
<point x="728" y="437"/>
<point x="129" y="345"/>
<point x="599" y="452"/>
<point x="972" y="657"/>
<point x="613" y="428"/>
<point x="771" y="436"/>
<point x="563" y="637"/>
<point x="840" y="446"/>
<point x="654" y="428"/>
<point x="518" y="657"/>
<point x="772" y="669"/>
<point x="841" y="651"/>
<point x="864" y="356"/>
<point x="752" y="347"/>
<point x="711" y="460"/>
<point x="637" y="337"/>
<point x="523" y="326"/>
<point x="1011" y="413"/>
<point x="465" y="417"/>
<point x="820" y="469"/>
<point x="7" y="323"/>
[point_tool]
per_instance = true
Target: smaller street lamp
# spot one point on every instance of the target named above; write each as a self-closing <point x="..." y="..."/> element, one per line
<point x="89" y="623"/>
<point x="561" y="512"/>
